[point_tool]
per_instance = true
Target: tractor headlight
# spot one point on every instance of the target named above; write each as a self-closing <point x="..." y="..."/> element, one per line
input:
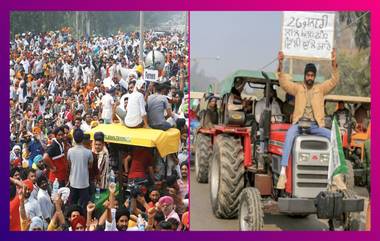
<point x="325" y="157"/>
<point x="304" y="157"/>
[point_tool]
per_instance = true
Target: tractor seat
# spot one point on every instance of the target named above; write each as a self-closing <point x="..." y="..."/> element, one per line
<point x="304" y="125"/>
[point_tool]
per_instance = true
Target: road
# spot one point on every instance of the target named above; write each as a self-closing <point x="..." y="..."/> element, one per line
<point x="202" y="218"/>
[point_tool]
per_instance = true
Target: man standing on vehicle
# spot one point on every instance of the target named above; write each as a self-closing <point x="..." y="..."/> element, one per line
<point x="309" y="103"/>
<point x="80" y="161"/>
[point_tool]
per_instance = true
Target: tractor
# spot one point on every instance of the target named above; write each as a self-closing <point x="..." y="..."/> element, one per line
<point x="355" y="131"/>
<point x="244" y="154"/>
<point x="203" y="141"/>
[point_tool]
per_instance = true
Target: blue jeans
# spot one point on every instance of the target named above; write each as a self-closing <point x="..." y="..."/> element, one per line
<point x="293" y="132"/>
<point x="163" y="126"/>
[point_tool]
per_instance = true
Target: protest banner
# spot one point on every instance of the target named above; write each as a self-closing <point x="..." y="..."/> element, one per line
<point x="308" y="34"/>
<point x="151" y="75"/>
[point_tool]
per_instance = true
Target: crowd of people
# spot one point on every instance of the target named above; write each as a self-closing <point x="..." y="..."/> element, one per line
<point x="60" y="89"/>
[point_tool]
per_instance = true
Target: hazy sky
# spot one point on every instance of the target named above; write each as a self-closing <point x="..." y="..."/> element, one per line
<point x="243" y="40"/>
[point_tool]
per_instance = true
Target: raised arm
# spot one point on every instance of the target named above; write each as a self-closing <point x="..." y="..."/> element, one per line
<point x="58" y="217"/>
<point x="48" y="161"/>
<point x="90" y="211"/>
<point x="330" y="84"/>
<point x="284" y="79"/>
<point x="103" y="217"/>
<point x="112" y="190"/>
<point x="16" y="182"/>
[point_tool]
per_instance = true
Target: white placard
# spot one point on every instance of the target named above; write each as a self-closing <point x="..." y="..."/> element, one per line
<point x="308" y="34"/>
<point x="151" y="75"/>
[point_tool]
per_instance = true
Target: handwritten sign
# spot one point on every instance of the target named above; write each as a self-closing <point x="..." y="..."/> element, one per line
<point x="151" y="75"/>
<point x="308" y="34"/>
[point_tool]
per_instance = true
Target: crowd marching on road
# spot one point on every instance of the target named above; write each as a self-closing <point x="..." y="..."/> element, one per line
<point x="60" y="89"/>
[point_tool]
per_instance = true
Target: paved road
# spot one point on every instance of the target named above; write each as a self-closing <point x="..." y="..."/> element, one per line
<point x="202" y="217"/>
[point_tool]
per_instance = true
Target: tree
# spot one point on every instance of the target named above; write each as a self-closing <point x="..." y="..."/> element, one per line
<point x="354" y="74"/>
<point x="361" y="22"/>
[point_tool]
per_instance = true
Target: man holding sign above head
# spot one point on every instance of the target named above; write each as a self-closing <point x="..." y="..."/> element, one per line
<point x="309" y="105"/>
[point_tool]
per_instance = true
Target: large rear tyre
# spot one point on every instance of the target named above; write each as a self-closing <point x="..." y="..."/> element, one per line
<point x="226" y="176"/>
<point x="203" y="155"/>
<point x="251" y="214"/>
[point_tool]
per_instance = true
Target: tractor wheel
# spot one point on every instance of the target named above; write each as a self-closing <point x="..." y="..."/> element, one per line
<point x="349" y="177"/>
<point x="203" y="154"/>
<point x="251" y="214"/>
<point x="226" y="176"/>
<point x="353" y="220"/>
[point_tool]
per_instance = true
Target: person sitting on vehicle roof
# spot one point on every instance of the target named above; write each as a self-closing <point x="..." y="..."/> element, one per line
<point x="121" y="109"/>
<point x="136" y="116"/>
<point x="341" y="114"/>
<point x="209" y="117"/>
<point x="274" y="104"/>
<point x="308" y="104"/>
<point x="157" y="106"/>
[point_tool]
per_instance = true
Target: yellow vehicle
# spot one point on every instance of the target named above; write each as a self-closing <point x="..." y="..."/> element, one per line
<point x="119" y="138"/>
<point x="166" y="142"/>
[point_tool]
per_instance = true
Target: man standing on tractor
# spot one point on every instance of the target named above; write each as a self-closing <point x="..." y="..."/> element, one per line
<point x="309" y="104"/>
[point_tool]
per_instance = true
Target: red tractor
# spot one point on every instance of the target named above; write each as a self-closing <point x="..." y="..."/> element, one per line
<point x="245" y="162"/>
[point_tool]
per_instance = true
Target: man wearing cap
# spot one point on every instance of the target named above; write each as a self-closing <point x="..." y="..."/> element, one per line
<point x="309" y="103"/>
<point x="166" y="204"/>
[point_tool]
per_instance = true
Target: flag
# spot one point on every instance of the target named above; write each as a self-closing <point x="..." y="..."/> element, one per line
<point x="337" y="163"/>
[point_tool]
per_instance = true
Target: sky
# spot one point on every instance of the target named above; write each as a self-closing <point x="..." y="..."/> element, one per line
<point x="241" y="40"/>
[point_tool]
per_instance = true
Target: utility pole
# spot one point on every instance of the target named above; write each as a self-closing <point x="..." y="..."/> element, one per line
<point x="141" y="37"/>
<point x="88" y="24"/>
<point x="77" y="24"/>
